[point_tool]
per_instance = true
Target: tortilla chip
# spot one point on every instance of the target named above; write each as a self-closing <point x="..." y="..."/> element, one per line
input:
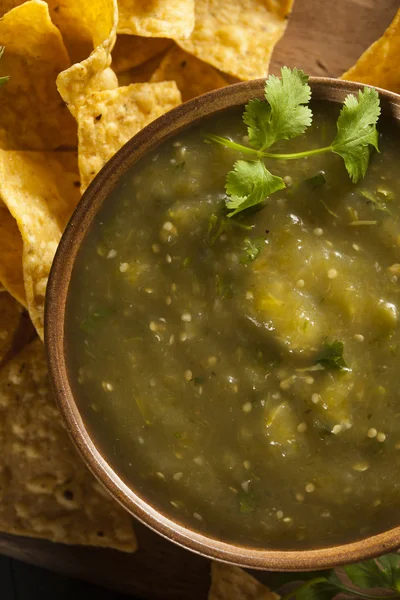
<point x="232" y="583"/>
<point x="11" y="275"/>
<point x="40" y="190"/>
<point x="83" y="25"/>
<point x="379" y="65"/>
<point x="130" y="51"/>
<point x="92" y="74"/>
<point x="140" y="74"/>
<point x="10" y="317"/>
<point x="109" y="119"/>
<point x="238" y="37"/>
<point x="192" y="76"/>
<point x="16" y="329"/>
<point x="46" y="491"/>
<point x="156" y="18"/>
<point x="33" y="116"/>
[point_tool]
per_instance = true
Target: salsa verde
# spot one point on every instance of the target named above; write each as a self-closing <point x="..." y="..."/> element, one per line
<point x="242" y="373"/>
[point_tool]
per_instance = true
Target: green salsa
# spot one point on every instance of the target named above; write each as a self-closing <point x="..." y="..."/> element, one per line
<point x="242" y="373"/>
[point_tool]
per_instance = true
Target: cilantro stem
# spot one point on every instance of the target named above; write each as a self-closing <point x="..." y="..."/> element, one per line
<point x="247" y="150"/>
<point x="234" y="145"/>
<point x="295" y="155"/>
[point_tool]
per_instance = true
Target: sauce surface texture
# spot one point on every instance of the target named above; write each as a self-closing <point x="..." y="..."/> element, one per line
<point x="205" y="352"/>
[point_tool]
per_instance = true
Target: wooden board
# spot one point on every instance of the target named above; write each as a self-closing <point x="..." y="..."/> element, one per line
<point x="323" y="38"/>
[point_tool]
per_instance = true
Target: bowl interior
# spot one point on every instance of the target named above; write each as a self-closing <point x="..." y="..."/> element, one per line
<point x="57" y="293"/>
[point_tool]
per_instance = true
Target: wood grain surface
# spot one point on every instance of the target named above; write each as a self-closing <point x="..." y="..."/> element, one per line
<point x="324" y="37"/>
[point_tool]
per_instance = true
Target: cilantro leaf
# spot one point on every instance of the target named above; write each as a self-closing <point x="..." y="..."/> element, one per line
<point x="317" y="180"/>
<point x="257" y="117"/>
<point x="223" y="288"/>
<point x="252" y="249"/>
<point x="364" y="574"/>
<point x="331" y="356"/>
<point x="356" y="131"/>
<point x="319" y="590"/>
<point x="377" y="202"/>
<point x="390" y="570"/>
<point x="246" y="502"/>
<point x="284" y="116"/>
<point x="249" y="184"/>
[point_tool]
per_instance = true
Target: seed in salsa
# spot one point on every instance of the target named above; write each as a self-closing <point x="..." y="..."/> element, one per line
<point x="242" y="373"/>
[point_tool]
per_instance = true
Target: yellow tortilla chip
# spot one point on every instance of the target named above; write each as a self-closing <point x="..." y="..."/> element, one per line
<point x="94" y="73"/>
<point x="10" y="317"/>
<point x="379" y="65"/>
<point x="140" y="74"/>
<point x="110" y="118"/>
<point x="46" y="491"/>
<point x="16" y="329"/>
<point x="232" y="583"/>
<point x="40" y="190"/>
<point x="131" y="51"/>
<point x="33" y="116"/>
<point x="83" y="24"/>
<point x="192" y="76"/>
<point x="11" y="275"/>
<point x="238" y="37"/>
<point x="156" y="18"/>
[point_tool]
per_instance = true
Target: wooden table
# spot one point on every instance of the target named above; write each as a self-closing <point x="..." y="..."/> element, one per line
<point x="324" y="37"/>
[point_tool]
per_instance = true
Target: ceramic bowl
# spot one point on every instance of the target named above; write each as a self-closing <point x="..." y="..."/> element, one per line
<point x="57" y="292"/>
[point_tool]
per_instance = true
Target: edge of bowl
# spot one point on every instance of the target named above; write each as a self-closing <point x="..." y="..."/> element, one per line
<point x="56" y="297"/>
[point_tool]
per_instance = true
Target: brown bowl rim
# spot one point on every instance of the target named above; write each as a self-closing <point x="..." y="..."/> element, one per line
<point x="57" y="291"/>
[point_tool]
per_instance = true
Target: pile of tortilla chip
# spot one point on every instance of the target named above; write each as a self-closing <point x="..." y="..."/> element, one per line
<point x="83" y="77"/>
<point x="78" y="79"/>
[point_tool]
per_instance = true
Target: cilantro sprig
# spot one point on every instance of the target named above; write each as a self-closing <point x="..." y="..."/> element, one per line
<point x="363" y="580"/>
<point x="286" y="115"/>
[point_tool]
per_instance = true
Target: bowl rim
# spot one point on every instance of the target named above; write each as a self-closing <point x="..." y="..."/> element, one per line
<point x="147" y="139"/>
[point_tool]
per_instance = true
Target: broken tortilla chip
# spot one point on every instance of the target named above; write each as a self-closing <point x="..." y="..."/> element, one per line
<point x="238" y="37"/>
<point x="110" y="118"/>
<point x="232" y="583"/>
<point x="94" y="73"/>
<point x="192" y="76"/>
<point x="130" y="51"/>
<point x="46" y="491"/>
<point x="156" y="18"/>
<point x="379" y="65"/>
<point x="11" y="275"/>
<point x="40" y="190"/>
<point x="33" y="116"/>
